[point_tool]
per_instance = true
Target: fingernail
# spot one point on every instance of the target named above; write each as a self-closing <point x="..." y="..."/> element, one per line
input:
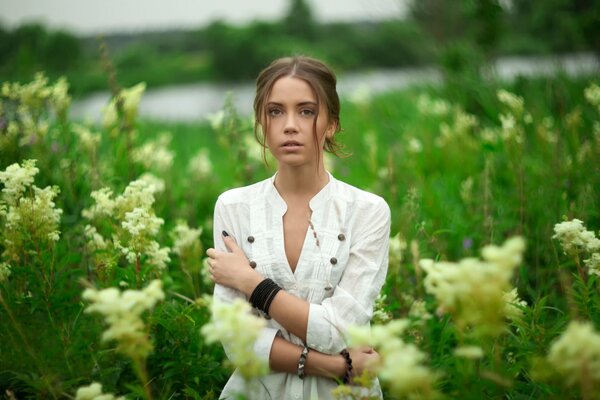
<point x="225" y="234"/>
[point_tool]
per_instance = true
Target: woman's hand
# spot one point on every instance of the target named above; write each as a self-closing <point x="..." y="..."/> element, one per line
<point x="232" y="268"/>
<point x="363" y="358"/>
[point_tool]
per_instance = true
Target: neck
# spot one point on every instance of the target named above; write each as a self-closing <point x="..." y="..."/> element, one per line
<point x="300" y="183"/>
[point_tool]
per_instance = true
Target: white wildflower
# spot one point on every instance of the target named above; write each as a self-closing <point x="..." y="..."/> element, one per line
<point x="154" y="183"/>
<point x="104" y="204"/>
<point x="4" y="271"/>
<point x="513" y="305"/>
<point x="470" y="352"/>
<point x="472" y="290"/>
<point x="95" y="241"/>
<point x="16" y="179"/>
<point x="575" y="355"/>
<point x="122" y="312"/>
<point x="94" y="392"/>
<point x="415" y="145"/>
<point x="396" y="249"/>
<point x="155" y="154"/>
<point x="361" y="96"/>
<point x="237" y="328"/>
<point x="184" y="237"/>
<point x="435" y="107"/>
<point x="574" y="238"/>
<point x="593" y="264"/>
<point x="512" y="101"/>
<point x="216" y="119"/>
<point x="140" y="222"/>
<point x="59" y="96"/>
<point x="418" y="310"/>
<point x="200" y="166"/>
<point x="158" y="256"/>
<point x="466" y="190"/>
<point x="130" y="98"/>
<point x="402" y="366"/>
<point x="89" y="140"/>
<point x="253" y="148"/>
<point x="592" y="94"/>
<point x="380" y="314"/>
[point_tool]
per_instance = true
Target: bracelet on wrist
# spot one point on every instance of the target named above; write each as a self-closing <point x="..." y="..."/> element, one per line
<point x="263" y="294"/>
<point x="302" y="362"/>
<point x="349" y="369"/>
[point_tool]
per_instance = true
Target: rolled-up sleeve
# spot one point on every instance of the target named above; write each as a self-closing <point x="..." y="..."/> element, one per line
<point x="354" y="296"/>
<point x="223" y="221"/>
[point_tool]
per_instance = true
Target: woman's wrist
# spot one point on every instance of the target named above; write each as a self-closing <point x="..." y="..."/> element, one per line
<point x="249" y="283"/>
<point x="326" y="365"/>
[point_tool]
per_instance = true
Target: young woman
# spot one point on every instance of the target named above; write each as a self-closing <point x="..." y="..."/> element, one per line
<point x="308" y="251"/>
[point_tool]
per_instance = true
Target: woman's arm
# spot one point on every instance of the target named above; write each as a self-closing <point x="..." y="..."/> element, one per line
<point x="321" y="326"/>
<point x="284" y="357"/>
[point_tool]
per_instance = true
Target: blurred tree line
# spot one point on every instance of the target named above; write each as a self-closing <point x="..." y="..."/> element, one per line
<point x="459" y="35"/>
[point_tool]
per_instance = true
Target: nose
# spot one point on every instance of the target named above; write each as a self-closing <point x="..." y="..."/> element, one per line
<point x="291" y="124"/>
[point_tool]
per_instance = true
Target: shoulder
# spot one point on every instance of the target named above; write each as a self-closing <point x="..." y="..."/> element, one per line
<point x="244" y="194"/>
<point x="367" y="202"/>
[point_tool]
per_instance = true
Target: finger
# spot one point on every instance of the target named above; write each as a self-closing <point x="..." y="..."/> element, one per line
<point x="231" y="244"/>
<point x="211" y="252"/>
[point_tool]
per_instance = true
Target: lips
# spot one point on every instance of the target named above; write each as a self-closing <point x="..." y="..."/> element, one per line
<point x="291" y="144"/>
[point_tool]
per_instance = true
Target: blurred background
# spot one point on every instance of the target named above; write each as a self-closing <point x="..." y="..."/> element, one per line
<point x="208" y="48"/>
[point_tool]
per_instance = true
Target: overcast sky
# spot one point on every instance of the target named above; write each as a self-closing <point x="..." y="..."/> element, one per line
<point x="102" y="16"/>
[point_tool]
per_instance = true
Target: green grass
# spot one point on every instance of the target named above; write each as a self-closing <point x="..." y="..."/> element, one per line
<point x="517" y="189"/>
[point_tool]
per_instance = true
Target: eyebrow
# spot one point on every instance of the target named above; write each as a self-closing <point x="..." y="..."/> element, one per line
<point x="304" y="103"/>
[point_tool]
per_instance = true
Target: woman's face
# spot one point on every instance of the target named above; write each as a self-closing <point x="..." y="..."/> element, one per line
<point x="291" y="111"/>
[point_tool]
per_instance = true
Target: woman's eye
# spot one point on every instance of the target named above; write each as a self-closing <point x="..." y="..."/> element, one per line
<point x="307" y="112"/>
<point x="274" y="112"/>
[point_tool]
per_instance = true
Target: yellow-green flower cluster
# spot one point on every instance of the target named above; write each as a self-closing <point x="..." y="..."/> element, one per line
<point x="27" y="213"/>
<point x="31" y="119"/>
<point x="435" y="107"/>
<point x="133" y="221"/>
<point x="155" y="154"/>
<point x="200" y="166"/>
<point x="513" y="305"/>
<point x="380" y="313"/>
<point x="575" y="355"/>
<point x="512" y="121"/>
<point x="186" y="244"/>
<point x="122" y="311"/>
<point x="576" y="240"/>
<point x="396" y="250"/>
<point x="32" y="101"/>
<point x="592" y="94"/>
<point x="94" y="392"/>
<point x="237" y="328"/>
<point x="473" y="290"/>
<point x="88" y="140"/>
<point x="4" y="271"/>
<point x="461" y="128"/>
<point x="130" y="99"/>
<point x="401" y="367"/>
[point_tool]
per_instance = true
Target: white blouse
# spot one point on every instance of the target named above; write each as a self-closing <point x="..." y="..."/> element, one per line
<point x="340" y="277"/>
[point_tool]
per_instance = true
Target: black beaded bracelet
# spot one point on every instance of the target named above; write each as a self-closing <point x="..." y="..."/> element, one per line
<point x="302" y="361"/>
<point x="263" y="294"/>
<point x="348" y="374"/>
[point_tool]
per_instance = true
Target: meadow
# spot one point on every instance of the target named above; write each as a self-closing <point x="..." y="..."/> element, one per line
<point x="492" y="290"/>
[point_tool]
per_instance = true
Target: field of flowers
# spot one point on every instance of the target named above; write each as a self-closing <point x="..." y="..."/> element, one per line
<point x="493" y="288"/>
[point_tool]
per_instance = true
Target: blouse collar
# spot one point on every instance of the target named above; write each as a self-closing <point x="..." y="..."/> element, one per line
<point x="317" y="201"/>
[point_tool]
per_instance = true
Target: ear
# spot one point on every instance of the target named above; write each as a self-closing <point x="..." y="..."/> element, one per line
<point x="331" y="130"/>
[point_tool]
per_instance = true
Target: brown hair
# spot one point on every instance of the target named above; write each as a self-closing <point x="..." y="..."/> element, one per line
<point x="320" y="78"/>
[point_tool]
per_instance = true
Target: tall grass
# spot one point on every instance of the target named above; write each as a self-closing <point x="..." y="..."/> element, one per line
<point x="460" y="169"/>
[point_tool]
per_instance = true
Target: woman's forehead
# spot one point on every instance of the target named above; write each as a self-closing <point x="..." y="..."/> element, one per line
<point x="290" y="89"/>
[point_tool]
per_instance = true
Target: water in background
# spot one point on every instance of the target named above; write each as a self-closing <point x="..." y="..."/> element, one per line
<point x="192" y="102"/>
